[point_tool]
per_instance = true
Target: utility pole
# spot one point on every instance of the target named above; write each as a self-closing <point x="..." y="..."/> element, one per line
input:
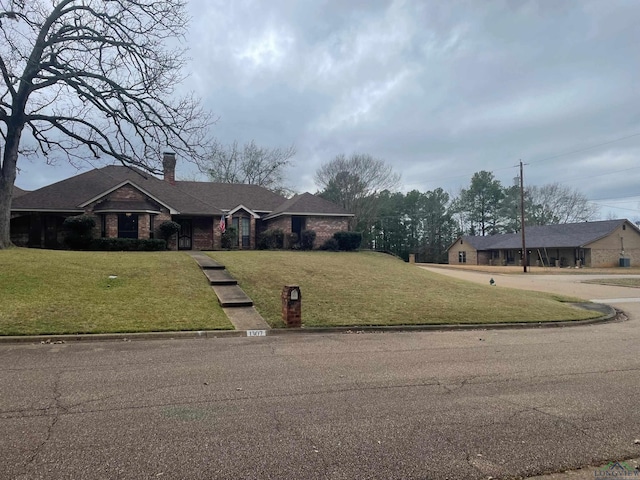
<point x="524" y="246"/>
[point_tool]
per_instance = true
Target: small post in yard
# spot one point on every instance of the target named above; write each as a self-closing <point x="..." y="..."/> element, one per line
<point x="292" y="306"/>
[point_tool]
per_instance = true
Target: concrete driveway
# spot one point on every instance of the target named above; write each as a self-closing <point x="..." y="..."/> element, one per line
<point x="570" y="284"/>
<point x="472" y="405"/>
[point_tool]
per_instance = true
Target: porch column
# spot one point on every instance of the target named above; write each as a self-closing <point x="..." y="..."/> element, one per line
<point x="252" y="238"/>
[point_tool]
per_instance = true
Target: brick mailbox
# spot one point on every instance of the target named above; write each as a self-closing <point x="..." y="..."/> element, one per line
<point x="292" y="306"/>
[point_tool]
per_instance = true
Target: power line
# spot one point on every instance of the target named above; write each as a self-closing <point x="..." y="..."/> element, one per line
<point x="599" y="175"/>
<point x="620" y="208"/>
<point x="464" y="175"/>
<point x="620" y="199"/>
<point x="586" y="148"/>
<point x="539" y="161"/>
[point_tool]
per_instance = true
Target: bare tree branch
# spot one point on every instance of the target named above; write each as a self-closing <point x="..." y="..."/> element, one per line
<point x="354" y="183"/>
<point x="250" y="164"/>
<point x="94" y="78"/>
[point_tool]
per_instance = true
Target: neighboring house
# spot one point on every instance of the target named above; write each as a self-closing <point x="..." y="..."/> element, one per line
<point x="129" y="203"/>
<point x="591" y="244"/>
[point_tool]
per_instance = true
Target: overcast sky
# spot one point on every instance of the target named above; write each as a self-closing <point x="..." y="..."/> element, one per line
<point x="439" y="89"/>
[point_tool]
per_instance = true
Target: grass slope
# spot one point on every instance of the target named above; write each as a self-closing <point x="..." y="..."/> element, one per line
<point x="375" y="289"/>
<point x="47" y="292"/>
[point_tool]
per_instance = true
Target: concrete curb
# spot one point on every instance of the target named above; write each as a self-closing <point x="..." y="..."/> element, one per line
<point x="609" y="314"/>
<point x="101" y="337"/>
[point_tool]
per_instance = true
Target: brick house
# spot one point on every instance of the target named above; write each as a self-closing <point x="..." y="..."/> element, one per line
<point x="129" y="203"/>
<point x="591" y="244"/>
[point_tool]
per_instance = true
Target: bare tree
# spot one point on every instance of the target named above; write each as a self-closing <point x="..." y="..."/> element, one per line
<point x="93" y="78"/>
<point x="354" y="183"/>
<point x="555" y="203"/>
<point x="250" y="164"/>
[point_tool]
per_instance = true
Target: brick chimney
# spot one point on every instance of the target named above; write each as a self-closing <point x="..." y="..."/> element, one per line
<point x="169" y="167"/>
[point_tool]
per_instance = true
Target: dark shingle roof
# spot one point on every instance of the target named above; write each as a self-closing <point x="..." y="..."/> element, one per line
<point x="195" y="198"/>
<point x="69" y="194"/>
<point x="566" y="235"/>
<point x="308" y="204"/>
<point x="18" y="192"/>
<point x="483" y="243"/>
<point x="227" y="196"/>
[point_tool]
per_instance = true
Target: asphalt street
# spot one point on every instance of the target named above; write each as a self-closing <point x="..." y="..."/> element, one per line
<point x="464" y="404"/>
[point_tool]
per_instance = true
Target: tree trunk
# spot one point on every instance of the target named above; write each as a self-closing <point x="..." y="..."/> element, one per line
<point x="7" y="179"/>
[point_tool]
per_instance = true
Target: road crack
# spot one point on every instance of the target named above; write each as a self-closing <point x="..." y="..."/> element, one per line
<point x="58" y="410"/>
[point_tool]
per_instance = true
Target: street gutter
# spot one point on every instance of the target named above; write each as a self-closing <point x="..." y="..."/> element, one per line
<point x="609" y="314"/>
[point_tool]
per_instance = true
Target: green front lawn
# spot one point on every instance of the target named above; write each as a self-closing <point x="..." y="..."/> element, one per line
<point x="344" y="289"/>
<point x="54" y="292"/>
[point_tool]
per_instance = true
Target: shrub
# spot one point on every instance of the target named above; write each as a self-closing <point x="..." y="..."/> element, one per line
<point x="167" y="229"/>
<point x="80" y="231"/>
<point x="330" y="245"/>
<point x="127" y="245"/>
<point x="230" y="238"/>
<point x="307" y="239"/>
<point x="292" y="241"/>
<point x="271" y="239"/>
<point x="348" y="241"/>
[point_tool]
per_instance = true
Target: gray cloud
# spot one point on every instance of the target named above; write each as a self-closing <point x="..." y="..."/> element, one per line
<point x="439" y="89"/>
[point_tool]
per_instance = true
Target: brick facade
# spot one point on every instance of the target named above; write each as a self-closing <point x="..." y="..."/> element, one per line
<point x="127" y="193"/>
<point x="325" y="227"/>
<point x="36" y="229"/>
<point x="283" y="223"/>
<point x="470" y="254"/>
<point x="623" y="241"/>
<point x="202" y="238"/>
<point x="607" y="251"/>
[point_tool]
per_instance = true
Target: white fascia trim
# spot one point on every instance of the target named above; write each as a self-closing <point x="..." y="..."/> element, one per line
<point x="112" y="210"/>
<point x="187" y="215"/>
<point x="309" y="214"/>
<point x="47" y="210"/>
<point x="242" y="207"/>
<point x="128" y="182"/>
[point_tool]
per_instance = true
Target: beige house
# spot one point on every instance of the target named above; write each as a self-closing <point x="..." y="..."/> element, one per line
<point x="608" y="243"/>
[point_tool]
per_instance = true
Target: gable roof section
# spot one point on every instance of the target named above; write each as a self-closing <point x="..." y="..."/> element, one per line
<point x="69" y="194"/>
<point x="566" y="235"/>
<point x="18" y="192"/>
<point x="309" y="205"/>
<point x="242" y="207"/>
<point x="483" y="243"/>
<point x="184" y="198"/>
<point x="227" y="196"/>
<point x="115" y="203"/>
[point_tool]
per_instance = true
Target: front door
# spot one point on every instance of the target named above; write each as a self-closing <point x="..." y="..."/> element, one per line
<point x="50" y="232"/>
<point x="35" y="231"/>
<point x="184" y="236"/>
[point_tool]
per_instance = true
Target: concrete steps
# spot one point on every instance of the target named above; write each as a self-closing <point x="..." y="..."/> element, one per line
<point x="232" y="296"/>
<point x="235" y="303"/>
<point x="219" y="277"/>
<point x="206" y="262"/>
<point x="226" y="288"/>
